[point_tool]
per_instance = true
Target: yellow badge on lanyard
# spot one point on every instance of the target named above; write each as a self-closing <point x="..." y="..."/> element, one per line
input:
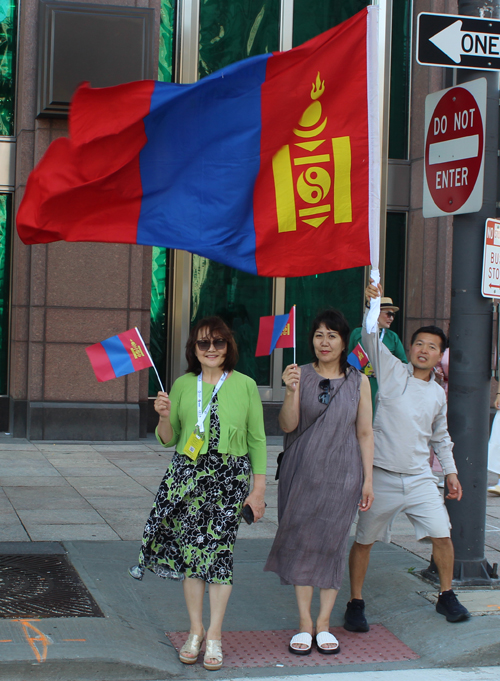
<point x="194" y="444"/>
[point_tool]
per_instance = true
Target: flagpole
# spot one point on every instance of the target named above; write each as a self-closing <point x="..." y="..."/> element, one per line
<point x="294" y="320"/>
<point x="151" y="360"/>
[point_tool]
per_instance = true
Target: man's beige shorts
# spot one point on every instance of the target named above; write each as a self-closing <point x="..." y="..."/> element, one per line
<point x="416" y="495"/>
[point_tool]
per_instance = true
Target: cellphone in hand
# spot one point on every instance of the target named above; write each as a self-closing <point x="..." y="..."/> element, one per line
<point x="247" y="514"/>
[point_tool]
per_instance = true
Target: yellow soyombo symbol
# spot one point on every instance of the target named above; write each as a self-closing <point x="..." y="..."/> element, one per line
<point x="136" y="350"/>
<point x="312" y="188"/>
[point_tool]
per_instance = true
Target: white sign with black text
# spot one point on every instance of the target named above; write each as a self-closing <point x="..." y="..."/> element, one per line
<point x="490" y="287"/>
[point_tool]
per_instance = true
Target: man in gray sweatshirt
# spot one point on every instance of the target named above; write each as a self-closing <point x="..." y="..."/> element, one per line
<point x="410" y="417"/>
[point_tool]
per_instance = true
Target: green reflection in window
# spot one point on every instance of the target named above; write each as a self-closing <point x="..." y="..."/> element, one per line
<point x="400" y="80"/>
<point x="395" y="266"/>
<point x="167" y="26"/>
<point x="239" y="299"/>
<point x="342" y="290"/>
<point x="5" y="230"/>
<point x="310" y="19"/>
<point x="158" y="331"/>
<point x="231" y="30"/>
<point x="7" y="63"/>
<point x="159" y="274"/>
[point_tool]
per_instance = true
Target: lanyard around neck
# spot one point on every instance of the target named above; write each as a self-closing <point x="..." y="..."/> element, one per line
<point x="382" y="334"/>
<point x="202" y="415"/>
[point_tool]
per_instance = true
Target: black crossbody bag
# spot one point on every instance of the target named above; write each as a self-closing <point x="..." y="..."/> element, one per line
<point x="282" y="454"/>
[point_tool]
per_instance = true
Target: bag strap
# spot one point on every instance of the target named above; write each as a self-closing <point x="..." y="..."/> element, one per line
<point x="280" y="456"/>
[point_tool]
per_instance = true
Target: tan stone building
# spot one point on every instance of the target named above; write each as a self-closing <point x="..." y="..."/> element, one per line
<point x="57" y="299"/>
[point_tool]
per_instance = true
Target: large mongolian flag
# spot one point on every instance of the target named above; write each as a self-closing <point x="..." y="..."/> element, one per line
<point x="270" y="165"/>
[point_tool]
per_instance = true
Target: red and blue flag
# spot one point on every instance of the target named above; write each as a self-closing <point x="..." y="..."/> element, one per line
<point x="276" y="331"/>
<point x="269" y="165"/>
<point x="119" y="355"/>
<point x="360" y="360"/>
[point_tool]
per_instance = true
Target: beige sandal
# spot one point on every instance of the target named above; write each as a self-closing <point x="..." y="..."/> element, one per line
<point x="213" y="652"/>
<point x="192" y="645"/>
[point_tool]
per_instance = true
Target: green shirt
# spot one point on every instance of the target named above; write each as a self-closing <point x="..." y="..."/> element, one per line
<point x="392" y="343"/>
<point x="240" y="414"/>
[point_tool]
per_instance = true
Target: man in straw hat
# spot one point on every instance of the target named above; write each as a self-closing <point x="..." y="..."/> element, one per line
<point x="388" y="338"/>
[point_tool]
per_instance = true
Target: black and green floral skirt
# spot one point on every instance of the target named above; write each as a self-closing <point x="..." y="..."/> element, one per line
<point x="193" y="524"/>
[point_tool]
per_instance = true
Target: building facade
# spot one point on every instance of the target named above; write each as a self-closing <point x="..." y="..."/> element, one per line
<point x="58" y="298"/>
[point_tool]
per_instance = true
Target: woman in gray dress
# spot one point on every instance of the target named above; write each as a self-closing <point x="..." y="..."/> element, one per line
<point x="325" y="476"/>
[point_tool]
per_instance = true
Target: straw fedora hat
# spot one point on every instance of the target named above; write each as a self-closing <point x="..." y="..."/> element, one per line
<point x="387" y="304"/>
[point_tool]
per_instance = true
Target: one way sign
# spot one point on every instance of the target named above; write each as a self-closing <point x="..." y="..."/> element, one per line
<point x="458" y="41"/>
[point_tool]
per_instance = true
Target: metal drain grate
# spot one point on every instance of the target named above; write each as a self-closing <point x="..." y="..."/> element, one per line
<point x="270" y="648"/>
<point x="43" y="586"/>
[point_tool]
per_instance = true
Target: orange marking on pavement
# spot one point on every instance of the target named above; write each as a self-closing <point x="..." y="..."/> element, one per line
<point x="494" y="606"/>
<point x="75" y="639"/>
<point x="33" y="640"/>
<point x="5" y="640"/>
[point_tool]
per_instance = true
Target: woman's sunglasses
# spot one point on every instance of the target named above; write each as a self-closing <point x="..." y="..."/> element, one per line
<point x="324" y="397"/>
<point x="218" y="343"/>
<point x="389" y="313"/>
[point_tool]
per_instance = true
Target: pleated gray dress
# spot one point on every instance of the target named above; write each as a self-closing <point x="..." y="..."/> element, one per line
<point x="321" y="479"/>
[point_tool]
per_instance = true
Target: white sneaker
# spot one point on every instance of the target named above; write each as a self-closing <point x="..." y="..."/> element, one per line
<point x="494" y="490"/>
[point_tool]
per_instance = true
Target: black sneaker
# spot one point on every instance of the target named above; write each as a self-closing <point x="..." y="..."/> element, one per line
<point x="449" y="605"/>
<point x="354" y="618"/>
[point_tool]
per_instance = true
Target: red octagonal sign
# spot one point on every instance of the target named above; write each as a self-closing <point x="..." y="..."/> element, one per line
<point x="454" y="150"/>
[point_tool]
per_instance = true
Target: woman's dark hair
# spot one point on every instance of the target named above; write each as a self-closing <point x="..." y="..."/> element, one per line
<point x="214" y="327"/>
<point x="335" y="321"/>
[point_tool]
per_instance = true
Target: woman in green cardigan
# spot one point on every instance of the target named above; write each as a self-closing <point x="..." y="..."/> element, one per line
<point x="214" y="418"/>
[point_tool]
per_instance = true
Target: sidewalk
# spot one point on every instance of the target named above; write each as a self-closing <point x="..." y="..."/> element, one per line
<point x="90" y="500"/>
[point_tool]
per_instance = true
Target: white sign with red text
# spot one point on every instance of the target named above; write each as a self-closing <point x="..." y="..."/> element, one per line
<point x="454" y="150"/>
<point x="490" y="287"/>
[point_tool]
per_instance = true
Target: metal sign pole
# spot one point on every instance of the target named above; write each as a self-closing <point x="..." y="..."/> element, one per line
<point x="470" y="350"/>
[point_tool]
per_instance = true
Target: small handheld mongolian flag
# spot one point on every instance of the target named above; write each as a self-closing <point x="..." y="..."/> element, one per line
<point x="120" y="355"/>
<point x="276" y="331"/>
<point x="360" y="360"/>
<point x="273" y="167"/>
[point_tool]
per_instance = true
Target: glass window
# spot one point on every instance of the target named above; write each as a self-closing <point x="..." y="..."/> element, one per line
<point x="395" y="266"/>
<point x="167" y="26"/>
<point x="342" y="290"/>
<point x="5" y="231"/>
<point x="159" y="275"/>
<point x="7" y="64"/>
<point x="231" y="30"/>
<point x="239" y="299"/>
<point x="158" y="328"/>
<point x="400" y="79"/>
<point x="311" y="19"/>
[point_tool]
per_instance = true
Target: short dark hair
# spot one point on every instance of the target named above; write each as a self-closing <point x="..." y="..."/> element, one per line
<point x="434" y="331"/>
<point x="335" y="321"/>
<point x="216" y="328"/>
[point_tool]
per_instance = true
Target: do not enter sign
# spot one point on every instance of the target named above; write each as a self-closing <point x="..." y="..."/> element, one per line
<point x="454" y="150"/>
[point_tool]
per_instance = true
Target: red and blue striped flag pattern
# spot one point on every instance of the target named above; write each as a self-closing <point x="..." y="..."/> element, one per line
<point x="119" y="355"/>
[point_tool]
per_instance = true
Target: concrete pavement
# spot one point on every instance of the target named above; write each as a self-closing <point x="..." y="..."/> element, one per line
<point x="91" y="500"/>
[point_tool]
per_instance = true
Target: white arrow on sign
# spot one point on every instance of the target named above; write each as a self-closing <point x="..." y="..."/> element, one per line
<point x="454" y="42"/>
